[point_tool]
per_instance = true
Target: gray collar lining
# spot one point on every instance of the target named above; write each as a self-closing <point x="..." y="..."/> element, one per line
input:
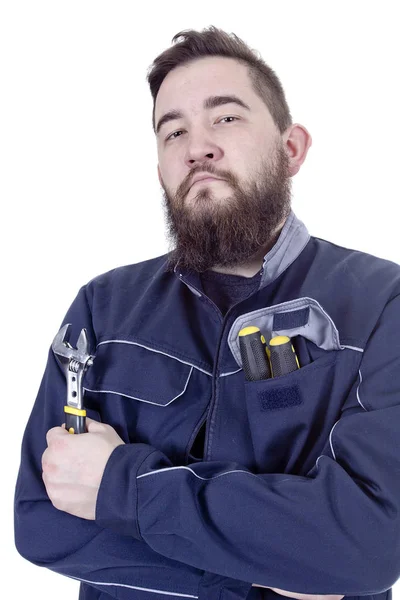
<point x="291" y="242"/>
<point x="319" y="329"/>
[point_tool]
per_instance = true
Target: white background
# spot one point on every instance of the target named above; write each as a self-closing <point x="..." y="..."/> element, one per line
<point x="79" y="188"/>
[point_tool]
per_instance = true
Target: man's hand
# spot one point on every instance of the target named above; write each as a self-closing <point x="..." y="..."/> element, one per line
<point x="301" y="596"/>
<point x="73" y="466"/>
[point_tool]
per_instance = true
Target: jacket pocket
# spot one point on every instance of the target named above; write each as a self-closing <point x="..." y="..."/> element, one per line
<point x="147" y="395"/>
<point x="290" y="416"/>
<point x="138" y="373"/>
<point x="302" y="318"/>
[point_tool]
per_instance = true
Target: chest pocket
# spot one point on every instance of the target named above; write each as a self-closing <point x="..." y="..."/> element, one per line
<point x="290" y="416"/>
<point x="146" y="395"/>
<point x="138" y="373"/>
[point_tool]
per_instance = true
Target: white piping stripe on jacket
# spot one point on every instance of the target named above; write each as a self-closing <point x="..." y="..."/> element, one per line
<point x="358" y="389"/>
<point x="165" y="354"/>
<point x="353" y="348"/>
<point x="330" y="440"/>
<point x="153" y="350"/>
<point x="134" y="587"/>
<point x="141" y="399"/>
<point x="330" y="435"/>
<point x="194" y="473"/>
<point x="231" y="372"/>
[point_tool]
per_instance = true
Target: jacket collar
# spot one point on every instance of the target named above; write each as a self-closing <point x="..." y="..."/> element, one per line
<point x="291" y="242"/>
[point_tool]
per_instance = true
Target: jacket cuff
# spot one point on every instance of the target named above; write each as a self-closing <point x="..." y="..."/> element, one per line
<point x="116" y="505"/>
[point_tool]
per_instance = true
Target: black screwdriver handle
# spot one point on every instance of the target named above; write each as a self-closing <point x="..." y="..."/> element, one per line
<point x="282" y="356"/>
<point x="255" y="360"/>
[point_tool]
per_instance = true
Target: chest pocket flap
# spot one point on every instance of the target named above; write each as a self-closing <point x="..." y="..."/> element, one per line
<point x="138" y="372"/>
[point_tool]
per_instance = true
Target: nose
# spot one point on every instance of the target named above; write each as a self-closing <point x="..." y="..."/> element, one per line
<point x="201" y="149"/>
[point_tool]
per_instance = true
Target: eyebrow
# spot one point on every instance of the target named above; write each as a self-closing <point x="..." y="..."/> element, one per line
<point x="211" y="102"/>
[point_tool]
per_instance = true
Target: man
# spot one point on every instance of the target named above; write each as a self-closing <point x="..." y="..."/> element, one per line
<point x="192" y="481"/>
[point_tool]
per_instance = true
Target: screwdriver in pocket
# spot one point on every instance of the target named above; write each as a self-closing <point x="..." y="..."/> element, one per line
<point x="253" y="351"/>
<point x="282" y="356"/>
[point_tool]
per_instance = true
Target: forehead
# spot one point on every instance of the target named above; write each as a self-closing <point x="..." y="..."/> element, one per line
<point x="187" y="85"/>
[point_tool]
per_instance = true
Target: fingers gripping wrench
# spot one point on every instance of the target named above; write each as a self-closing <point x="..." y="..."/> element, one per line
<point x="74" y="362"/>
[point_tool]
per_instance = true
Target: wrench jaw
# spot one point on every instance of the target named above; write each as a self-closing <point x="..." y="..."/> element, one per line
<point x="74" y="362"/>
<point x="82" y="345"/>
<point x="63" y="349"/>
<point x="60" y="336"/>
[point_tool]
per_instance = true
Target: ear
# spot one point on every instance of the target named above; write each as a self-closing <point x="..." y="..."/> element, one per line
<point x="297" y="141"/>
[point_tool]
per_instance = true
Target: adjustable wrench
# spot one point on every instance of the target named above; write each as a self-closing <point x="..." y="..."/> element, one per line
<point x="74" y="362"/>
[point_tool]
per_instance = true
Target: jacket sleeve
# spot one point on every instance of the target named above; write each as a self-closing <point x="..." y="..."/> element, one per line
<point x="334" y="531"/>
<point x="75" y="547"/>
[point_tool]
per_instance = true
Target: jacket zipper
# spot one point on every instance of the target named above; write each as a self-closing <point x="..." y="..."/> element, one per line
<point x="214" y="381"/>
<point x="212" y="402"/>
<point x="197" y="430"/>
<point x="214" y="384"/>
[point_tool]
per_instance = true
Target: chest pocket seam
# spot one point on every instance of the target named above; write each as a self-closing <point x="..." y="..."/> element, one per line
<point x="142" y="399"/>
<point x="160" y="349"/>
<point x="137" y="373"/>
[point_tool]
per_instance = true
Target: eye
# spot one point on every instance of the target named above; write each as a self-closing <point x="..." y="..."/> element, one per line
<point x="170" y="137"/>
<point x="236" y="119"/>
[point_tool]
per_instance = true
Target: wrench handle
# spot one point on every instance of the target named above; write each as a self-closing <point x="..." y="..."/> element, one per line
<point x="75" y="419"/>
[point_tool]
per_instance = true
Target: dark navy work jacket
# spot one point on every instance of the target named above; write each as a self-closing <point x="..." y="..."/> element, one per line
<point x="298" y="487"/>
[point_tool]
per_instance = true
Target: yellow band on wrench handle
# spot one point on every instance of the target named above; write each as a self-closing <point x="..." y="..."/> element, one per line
<point x="75" y="411"/>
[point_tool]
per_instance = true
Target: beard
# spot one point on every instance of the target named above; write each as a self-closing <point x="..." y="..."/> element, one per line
<point x="209" y="230"/>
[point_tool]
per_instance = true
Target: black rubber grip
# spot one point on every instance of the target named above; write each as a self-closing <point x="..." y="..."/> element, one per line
<point x="254" y="358"/>
<point x="283" y="359"/>
<point x="75" y="423"/>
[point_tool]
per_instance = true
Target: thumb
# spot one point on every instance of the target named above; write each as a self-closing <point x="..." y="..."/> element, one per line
<point x="92" y="426"/>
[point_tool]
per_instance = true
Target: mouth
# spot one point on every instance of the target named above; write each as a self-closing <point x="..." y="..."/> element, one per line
<point x="207" y="179"/>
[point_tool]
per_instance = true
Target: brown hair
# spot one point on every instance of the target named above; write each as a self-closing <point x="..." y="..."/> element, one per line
<point x="216" y="42"/>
